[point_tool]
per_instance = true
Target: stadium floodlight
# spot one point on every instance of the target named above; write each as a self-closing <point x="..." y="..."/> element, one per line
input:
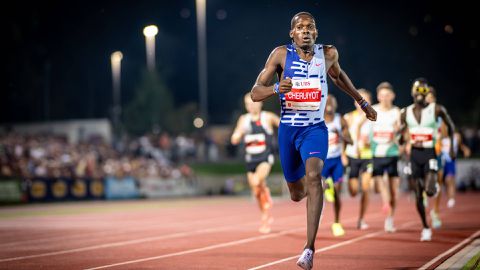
<point x="202" y="57"/>
<point x="150" y="32"/>
<point x="116" y="60"/>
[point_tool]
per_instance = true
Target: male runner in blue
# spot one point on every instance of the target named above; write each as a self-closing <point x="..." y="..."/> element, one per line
<point x="302" y="69"/>
<point x="338" y="137"/>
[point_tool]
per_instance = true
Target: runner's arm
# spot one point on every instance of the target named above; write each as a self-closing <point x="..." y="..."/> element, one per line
<point x="262" y="89"/>
<point x="441" y="112"/>
<point x="274" y="120"/>
<point x="463" y="147"/>
<point x="345" y="133"/>
<point x="341" y="79"/>
<point x="238" y="132"/>
<point x="401" y="134"/>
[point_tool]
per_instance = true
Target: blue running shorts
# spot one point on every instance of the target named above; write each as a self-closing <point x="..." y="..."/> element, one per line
<point x="333" y="168"/>
<point x="297" y="144"/>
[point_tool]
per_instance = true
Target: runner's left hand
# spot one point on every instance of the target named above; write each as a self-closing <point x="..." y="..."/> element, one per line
<point x="370" y="113"/>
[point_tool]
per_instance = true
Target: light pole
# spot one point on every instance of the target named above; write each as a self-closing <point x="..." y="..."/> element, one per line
<point x="116" y="59"/>
<point x="150" y="32"/>
<point x="202" y="58"/>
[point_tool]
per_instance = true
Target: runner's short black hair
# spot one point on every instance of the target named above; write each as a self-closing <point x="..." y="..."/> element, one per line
<point x="302" y="13"/>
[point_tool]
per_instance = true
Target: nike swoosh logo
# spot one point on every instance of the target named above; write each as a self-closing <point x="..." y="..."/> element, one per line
<point x="317" y="65"/>
<point x="311" y="153"/>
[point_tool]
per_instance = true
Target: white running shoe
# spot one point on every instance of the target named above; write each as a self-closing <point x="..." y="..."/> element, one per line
<point x="436" y="222"/>
<point x="388" y="226"/>
<point x="426" y="235"/>
<point x="451" y="203"/>
<point x="362" y="225"/>
<point x="306" y="259"/>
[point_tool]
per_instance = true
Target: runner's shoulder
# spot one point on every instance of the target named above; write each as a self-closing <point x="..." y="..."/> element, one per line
<point x="330" y="51"/>
<point x="277" y="55"/>
<point x="279" y="51"/>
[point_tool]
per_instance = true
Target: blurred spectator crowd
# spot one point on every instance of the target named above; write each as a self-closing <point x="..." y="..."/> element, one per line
<point x="149" y="156"/>
<point x="47" y="155"/>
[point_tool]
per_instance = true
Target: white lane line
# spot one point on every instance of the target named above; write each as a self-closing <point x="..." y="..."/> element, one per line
<point x="117" y="232"/>
<point x="136" y="241"/>
<point x="465" y="241"/>
<point x="337" y="245"/>
<point x="206" y="248"/>
<point x="113" y="232"/>
<point x="222" y="245"/>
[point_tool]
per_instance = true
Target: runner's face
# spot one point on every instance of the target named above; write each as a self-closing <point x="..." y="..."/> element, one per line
<point x="304" y="32"/>
<point x="420" y="92"/>
<point x="385" y="96"/>
<point x="252" y="107"/>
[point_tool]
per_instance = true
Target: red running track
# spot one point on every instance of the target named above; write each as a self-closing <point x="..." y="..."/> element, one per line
<point x="221" y="233"/>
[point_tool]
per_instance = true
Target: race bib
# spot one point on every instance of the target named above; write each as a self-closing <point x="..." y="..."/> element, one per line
<point x="306" y="95"/>
<point x="383" y="135"/>
<point x="255" y="143"/>
<point x="333" y="139"/>
<point x="421" y="134"/>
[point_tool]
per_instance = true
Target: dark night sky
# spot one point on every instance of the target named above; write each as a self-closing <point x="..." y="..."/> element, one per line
<point x="63" y="49"/>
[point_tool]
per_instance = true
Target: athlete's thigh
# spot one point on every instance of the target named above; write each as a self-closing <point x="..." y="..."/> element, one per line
<point x="290" y="159"/>
<point x="354" y="165"/>
<point x="378" y="166"/>
<point x="337" y="173"/>
<point x="313" y="142"/>
<point x="252" y="179"/>
<point x="262" y="171"/>
<point x="394" y="184"/>
<point x="328" y="168"/>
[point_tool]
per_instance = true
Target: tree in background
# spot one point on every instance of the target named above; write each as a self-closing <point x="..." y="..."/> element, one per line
<point x="153" y="108"/>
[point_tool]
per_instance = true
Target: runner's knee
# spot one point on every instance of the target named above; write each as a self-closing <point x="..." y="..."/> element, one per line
<point x="296" y="196"/>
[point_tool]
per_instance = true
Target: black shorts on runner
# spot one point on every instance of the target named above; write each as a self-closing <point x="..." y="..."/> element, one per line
<point x="422" y="161"/>
<point x="358" y="166"/>
<point x="252" y="166"/>
<point x="385" y="164"/>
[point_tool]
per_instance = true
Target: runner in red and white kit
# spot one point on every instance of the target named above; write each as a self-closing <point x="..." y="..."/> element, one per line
<point x="256" y="129"/>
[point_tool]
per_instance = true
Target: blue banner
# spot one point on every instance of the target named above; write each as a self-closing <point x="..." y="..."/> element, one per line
<point x="125" y="188"/>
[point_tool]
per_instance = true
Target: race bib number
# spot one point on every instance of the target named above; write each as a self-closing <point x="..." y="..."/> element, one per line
<point x="306" y="95"/>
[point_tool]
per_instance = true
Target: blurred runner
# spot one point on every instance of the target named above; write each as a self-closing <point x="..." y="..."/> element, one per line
<point x="386" y="151"/>
<point x="256" y="129"/>
<point x="447" y="165"/>
<point x="421" y="120"/>
<point x="359" y="157"/>
<point x="333" y="169"/>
